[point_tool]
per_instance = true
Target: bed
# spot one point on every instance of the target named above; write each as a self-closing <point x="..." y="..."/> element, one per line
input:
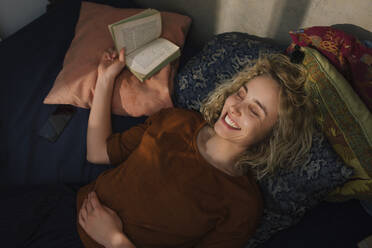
<point x="30" y="62"/>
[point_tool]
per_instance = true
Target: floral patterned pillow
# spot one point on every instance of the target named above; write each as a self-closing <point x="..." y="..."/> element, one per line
<point x="289" y="194"/>
<point x="220" y="59"/>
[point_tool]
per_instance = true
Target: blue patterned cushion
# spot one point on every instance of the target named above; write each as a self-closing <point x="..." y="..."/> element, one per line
<point x="289" y="194"/>
<point x="219" y="60"/>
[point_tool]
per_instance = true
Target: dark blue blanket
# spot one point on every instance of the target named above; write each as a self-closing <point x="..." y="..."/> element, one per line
<point x="30" y="61"/>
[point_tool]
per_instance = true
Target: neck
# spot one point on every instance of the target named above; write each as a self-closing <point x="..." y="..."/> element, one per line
<point x="219" y="152"/>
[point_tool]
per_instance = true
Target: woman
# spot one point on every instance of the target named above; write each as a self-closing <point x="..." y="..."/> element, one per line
<point x="182" y="179"/>
<point x="187" y="181"/>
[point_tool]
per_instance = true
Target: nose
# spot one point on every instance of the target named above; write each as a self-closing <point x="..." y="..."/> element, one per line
<point x="235" y="109"/>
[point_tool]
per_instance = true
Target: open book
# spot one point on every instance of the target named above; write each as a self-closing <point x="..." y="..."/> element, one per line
<point x="146" y="53"/>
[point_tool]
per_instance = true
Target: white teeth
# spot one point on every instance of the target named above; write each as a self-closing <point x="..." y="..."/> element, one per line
<point x="231" y="122"/>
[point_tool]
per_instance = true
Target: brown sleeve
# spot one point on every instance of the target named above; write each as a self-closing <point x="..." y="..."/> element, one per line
<point x="120" y="145"/>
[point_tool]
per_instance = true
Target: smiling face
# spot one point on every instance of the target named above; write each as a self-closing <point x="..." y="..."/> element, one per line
<point x="249" y="114"/>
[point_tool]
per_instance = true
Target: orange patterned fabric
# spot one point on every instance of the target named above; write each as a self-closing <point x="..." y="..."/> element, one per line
<point x="350" y="57"/>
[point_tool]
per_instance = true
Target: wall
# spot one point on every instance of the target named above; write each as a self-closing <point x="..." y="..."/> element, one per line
<point x="14" y="14"/>
<point x="270" y="18"/>
<point x="263" y="18"/>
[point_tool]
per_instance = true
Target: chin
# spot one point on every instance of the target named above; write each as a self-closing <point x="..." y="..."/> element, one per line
<point x="218" y="127"/>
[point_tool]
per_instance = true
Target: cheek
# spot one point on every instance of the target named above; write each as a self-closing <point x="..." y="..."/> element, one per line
<point x="230" y="100"/>
<point x="255" y="131"/>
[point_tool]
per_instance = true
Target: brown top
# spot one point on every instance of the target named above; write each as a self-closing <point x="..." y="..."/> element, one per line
<point x="165" y="192"/>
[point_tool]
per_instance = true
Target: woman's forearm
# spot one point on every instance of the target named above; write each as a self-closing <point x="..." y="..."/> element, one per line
<point x="99" y="123"/>
<point x="121" y="241"/>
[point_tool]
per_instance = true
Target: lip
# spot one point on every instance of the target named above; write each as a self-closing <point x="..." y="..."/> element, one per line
<point x="227" y="125"/>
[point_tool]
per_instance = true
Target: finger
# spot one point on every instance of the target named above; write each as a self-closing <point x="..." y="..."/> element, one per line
<point x="109" y="210"/>
<point x="122" y="55"/>
<point x="114" y="54"/>
<point x="89" y="205"/>
<point x="81" y="220"/>
<point x="84" y="203"/>
<point x="83" y="210"/>
<point x="95" y="201"/>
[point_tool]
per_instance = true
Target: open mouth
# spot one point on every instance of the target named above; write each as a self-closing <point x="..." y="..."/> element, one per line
<point x="230" y="123"/>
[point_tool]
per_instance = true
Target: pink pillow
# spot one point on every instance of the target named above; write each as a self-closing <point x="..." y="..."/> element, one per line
<point x="75" y="83"/>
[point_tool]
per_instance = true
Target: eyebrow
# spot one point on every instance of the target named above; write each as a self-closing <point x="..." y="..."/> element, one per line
<point x="257" y="102"/>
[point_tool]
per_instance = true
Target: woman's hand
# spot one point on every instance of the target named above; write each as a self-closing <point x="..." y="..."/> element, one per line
<point x="101" y="223"/>
<point x="111" y="64"/>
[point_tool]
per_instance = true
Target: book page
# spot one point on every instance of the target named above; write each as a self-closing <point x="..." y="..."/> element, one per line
<point x="137" y="33"/>
<point x="151" y="55"/>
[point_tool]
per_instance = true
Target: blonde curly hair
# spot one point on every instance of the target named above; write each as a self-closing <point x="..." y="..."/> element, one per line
<point x="290" y="139"/>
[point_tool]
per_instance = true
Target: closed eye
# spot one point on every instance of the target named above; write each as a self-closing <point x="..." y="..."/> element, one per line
<point x="257" y="108"/>
<point x="254" y="111"/>
<point x="261" y="107"/>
